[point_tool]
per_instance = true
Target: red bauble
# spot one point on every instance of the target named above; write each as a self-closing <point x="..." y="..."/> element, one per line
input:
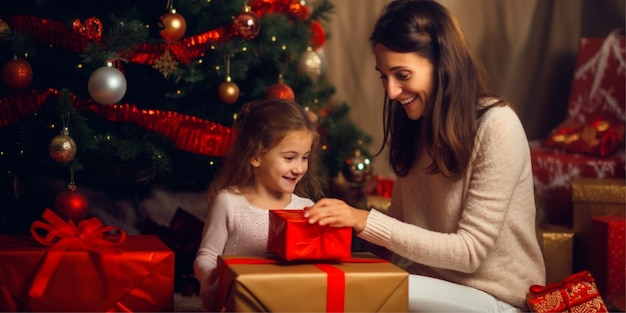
<point x="173" y="26"/>
<point x="318" y="36"/>
<point x="16" y="74"/>
<point x="299" y="11"/>
<point x="246" y="25"/>
<point x="71" y="205"/>
<point x="280" y="90"/>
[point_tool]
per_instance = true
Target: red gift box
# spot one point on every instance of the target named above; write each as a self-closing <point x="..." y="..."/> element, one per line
<point x="82" y="269"/>
<point x="607" y="260"/>
<point x="589" y="142"/>
<point x="291" y="237"/>
<point x="576" y="293"/>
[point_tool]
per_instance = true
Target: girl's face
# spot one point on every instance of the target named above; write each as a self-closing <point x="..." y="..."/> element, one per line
<point x="407" y="77"/>
<point x="279" y="170"/>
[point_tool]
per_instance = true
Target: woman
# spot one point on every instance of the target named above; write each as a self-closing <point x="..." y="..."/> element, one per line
<point x="462" y="214"/>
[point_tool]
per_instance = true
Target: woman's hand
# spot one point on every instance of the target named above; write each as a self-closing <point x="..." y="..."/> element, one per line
<point x="336" y="213"/>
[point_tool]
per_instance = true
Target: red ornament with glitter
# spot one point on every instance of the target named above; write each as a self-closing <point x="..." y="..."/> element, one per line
<point x="16" y="74"/>
<point x="280" y="90"/>
<point x="71" y="204"/>
<point x="246" y="24"/>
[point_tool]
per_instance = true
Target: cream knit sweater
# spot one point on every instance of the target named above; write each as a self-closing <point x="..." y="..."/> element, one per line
<point x="479" y="231"/>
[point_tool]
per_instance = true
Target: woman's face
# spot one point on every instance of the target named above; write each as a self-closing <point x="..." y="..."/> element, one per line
<point x="407" y="77"/>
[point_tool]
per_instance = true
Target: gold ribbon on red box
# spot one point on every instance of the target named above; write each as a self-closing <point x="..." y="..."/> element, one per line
<point x="576" y="293"/>
<point x="60" y="236"/>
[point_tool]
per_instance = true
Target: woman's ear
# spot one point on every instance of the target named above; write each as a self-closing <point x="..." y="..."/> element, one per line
<point x="255" y="161"/>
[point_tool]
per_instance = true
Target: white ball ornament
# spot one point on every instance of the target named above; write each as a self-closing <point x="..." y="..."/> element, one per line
<point x="310" y="65"/>
<point x="107" y="85"/>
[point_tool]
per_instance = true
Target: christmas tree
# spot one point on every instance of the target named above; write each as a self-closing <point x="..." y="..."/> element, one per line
<point x="122" y="95"/>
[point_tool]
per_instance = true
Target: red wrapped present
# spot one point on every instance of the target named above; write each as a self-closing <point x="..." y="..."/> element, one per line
<point x="607" y="261"/>
<point x="81" y="268"/>
<point x="576" y="293"/>
<point x="589" y="143"/>
<point x="291" y="237"/>
<point x="363" y="283"/>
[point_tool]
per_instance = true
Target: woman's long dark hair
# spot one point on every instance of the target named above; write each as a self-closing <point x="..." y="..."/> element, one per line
<point x="448" y="127"/>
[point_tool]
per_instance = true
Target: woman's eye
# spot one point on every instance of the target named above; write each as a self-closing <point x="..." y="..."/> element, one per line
<point x="403" y="76"/>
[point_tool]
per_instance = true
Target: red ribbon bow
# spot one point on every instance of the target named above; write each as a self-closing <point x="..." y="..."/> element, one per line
<point x="574" y="278"/>
<point x="60" y="236"/>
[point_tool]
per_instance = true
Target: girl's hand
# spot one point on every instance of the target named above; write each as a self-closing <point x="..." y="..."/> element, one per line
<point x="336" y="213"/>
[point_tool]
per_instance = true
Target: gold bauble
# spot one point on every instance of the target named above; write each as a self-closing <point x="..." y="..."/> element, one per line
<point x="4" y="29"/>
<point x="173" y="26"/>
<point x="62" y="148"/>
<point x="228" y="92"/>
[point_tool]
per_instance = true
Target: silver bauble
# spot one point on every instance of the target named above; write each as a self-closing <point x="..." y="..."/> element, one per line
<point x="107" y="85"/>
<point x="357" y="169"/>
<point x="310" y="64"/>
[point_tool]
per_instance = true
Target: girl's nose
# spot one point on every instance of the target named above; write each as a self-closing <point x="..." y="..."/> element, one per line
<point x="299" y="168"/>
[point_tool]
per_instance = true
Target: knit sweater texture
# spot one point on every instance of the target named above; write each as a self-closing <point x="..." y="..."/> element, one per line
<point x="478" y="231"/>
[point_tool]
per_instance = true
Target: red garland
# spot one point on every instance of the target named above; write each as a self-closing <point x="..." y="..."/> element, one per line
<point x="57" y="34"/>
<point x="188" y="133"/>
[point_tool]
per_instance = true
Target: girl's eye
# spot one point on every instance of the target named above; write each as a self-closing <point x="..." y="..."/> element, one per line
<point x="382" y="76"/>
<point x="289" y="158"/>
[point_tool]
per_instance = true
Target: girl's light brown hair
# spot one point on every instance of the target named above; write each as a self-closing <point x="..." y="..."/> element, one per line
<point x="260" y="126"/>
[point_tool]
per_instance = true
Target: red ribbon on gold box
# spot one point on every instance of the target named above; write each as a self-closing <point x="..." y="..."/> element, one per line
<point x="576" y="293"/>
<point x="291" y="237"/>
<point x="81" y="268"/>
<point x="362" y="283"/>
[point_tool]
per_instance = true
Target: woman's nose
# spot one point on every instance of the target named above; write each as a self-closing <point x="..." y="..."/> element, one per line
<point x="393" y="89"/>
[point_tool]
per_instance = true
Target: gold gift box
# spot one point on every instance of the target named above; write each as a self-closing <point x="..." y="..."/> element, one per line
<point x="256" y="284"/>
<point x="557" y="245"/>
<point x="593" y="197"/>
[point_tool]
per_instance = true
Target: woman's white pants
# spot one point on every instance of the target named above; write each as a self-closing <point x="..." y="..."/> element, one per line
<point x="427" y="294"/>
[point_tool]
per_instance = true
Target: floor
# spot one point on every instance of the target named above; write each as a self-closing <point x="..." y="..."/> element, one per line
<point x="187" y="303"/>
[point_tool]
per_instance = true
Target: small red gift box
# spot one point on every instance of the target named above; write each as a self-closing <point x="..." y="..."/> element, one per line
<point x="79" y="268"/>
<point x="607" y="260"/>
<point x="291" y="237"/>
<point x="576" y="293"/>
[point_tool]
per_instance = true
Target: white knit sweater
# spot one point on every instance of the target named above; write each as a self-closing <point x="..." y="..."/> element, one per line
<point x="479" y="231"/>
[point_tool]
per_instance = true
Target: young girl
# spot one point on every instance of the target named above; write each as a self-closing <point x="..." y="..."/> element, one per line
<point x="276" y="144"/>
<point x="462" y="213"/>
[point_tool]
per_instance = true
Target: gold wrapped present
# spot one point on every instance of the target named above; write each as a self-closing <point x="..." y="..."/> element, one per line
<point x="593" y="197"/>
<point x="557" y="245"/>
<point x="363" y="283"/>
